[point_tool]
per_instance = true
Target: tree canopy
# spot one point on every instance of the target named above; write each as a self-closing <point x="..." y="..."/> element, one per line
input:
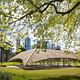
<point x="56" y="20"/>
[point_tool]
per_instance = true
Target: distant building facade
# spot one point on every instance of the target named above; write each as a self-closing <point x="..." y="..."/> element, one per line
<point x="57" y="47"/>
<point x="45" y="45"/>
<point x="18" y="41"/>
<point x="27" y="44"/>
<point x="50" y="45"/>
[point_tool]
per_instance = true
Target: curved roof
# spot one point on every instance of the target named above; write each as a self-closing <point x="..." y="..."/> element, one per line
<point x="35" y="55"/>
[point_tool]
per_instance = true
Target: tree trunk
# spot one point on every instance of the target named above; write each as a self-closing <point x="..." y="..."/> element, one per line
<point x="1" y="56"/>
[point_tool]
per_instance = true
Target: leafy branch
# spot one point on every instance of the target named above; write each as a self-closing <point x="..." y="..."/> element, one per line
<point x="44" y="7"/>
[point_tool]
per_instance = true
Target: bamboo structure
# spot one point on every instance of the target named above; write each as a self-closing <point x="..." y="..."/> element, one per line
<point x="48" y="58"/>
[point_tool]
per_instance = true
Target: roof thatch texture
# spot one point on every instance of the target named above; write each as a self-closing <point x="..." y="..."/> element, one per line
<point x="36" y="55"/>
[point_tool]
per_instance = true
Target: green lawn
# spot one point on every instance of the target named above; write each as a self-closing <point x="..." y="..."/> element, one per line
<point x="9" y="63"/>
<point x="48" y="74"/>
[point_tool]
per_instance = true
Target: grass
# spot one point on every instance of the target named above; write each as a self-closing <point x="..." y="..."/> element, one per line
<point x="10" y="63"/>
<point x="16" y="63"/>
<point x="48" y="74"/>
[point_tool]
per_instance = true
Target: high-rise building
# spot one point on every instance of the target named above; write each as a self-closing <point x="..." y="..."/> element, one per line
<point x="27" y="44"/>
<point x="38" y="45"/>
<point x="42" y="44"/>
<point x="50" y="45"/>
<point x="57" y="47"/>
<point x="18" y="41"/>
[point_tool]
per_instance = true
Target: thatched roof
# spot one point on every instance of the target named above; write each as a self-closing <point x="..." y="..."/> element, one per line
<point x="36" y="55"/>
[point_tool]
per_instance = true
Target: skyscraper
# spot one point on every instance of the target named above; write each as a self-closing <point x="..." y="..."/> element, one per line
<point x="50" y="45"/>
<point x="42" y="45"/>
<point x="18" y="41"/>
<point x="57" y="47"/>
<point x="27" y="44"/>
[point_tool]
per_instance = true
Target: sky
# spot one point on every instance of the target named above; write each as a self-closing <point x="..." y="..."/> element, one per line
<point x="30" y="34"/>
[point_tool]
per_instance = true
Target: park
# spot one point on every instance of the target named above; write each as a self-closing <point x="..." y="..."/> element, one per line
<point x="39" y="39"/>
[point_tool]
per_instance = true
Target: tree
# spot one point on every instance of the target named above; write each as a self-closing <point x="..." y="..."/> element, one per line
<point x="5" y="45"/>
<point x="5" y="51"/>
<point x="43" y="16"/>
<point x="19" y="49"/>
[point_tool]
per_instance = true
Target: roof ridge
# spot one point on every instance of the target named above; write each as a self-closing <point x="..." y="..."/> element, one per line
<point x="30" y="56"/>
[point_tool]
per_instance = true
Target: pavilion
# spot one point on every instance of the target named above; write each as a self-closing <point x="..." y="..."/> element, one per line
<point x="46" y="58"/>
